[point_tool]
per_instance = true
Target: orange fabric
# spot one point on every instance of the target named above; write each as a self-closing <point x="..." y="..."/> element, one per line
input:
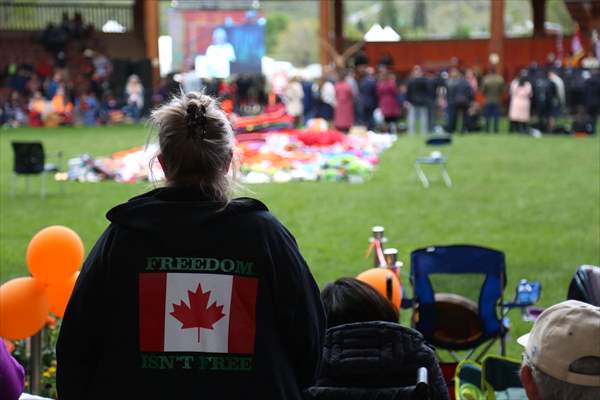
<point x="60" y="106"/>
<point x="227" y="106"/>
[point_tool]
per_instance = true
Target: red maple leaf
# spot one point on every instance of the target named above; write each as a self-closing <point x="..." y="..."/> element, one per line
<point x="197" y="315"/>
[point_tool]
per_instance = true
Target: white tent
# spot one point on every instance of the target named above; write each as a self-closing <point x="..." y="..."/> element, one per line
<point x="379" y="34"/>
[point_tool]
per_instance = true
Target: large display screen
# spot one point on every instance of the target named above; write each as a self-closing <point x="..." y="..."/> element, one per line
<point x="217" y="43"/>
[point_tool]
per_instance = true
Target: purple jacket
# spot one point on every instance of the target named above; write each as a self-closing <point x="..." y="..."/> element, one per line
<point x="12" y="375"/>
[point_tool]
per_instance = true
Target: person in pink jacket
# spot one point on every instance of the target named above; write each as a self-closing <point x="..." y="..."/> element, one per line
<point x="387" y="91"/>
<point x="520" y="104"/>
<point x="344" y="104"/>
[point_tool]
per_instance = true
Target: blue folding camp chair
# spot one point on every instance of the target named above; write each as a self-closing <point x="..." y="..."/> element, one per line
<point x="450" y="320"/>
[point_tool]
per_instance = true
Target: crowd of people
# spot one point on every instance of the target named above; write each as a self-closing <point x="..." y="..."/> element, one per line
<point x="545" y="98"/>
<point x="66" y="80"/>
<point x="63" y="78"/>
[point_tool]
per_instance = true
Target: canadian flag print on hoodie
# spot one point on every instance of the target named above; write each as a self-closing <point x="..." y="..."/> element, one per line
<point x="197" y="312"/>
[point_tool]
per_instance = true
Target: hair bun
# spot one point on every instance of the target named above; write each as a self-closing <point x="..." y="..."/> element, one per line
<point x="192" y="109"/>
<point x="196" y="119"/>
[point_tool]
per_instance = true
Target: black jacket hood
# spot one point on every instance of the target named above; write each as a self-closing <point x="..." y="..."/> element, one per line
<point x="164" y="207"/>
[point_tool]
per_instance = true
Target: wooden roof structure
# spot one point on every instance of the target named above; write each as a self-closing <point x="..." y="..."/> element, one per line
<point x="584" y="12"/>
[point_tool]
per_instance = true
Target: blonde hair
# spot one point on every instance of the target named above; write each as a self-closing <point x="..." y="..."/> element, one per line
<point x="196" y="144"/>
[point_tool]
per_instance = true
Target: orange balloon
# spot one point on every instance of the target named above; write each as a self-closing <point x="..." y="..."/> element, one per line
<point x="54" y="254"/>
<point x="23" y="308"/>
<point x="59" y="295"/>
<point x="377" y="278"/>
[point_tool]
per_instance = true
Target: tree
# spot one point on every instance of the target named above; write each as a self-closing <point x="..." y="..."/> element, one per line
<point x="299" y="52"/>
<point x="556" y="11"/>
<point x="461" y="31"/>
<point x="388" y="16"/>
<point x="420" y="15"/>
<point x="276" y="23"/>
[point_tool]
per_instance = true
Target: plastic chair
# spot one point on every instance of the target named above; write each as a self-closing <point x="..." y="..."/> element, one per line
<point x="496" y="378"/>
<point x="452" y="321"/>
<point x="467" y="381"/>
<point x="30" y="159"/>
<point x="435" y="158"/>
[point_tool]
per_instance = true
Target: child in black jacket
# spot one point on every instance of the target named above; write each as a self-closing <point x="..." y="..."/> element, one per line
<point x="367" y="354"/>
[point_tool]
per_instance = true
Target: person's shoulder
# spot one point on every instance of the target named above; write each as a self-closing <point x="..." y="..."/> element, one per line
<point x="256" y="214"/>
<point x="252" y="208"/>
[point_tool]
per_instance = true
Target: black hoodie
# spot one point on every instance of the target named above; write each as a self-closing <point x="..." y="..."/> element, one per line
<point x="184" y="298"/>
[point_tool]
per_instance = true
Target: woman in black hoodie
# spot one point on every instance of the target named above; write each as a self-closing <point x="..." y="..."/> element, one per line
<point x="189" y="293"/>
<point x="367" y="354"/>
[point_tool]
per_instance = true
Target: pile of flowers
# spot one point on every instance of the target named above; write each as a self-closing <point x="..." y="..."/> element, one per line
<point x="275" y="156"/>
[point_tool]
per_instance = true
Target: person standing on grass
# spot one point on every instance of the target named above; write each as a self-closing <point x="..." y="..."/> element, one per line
<point x="344" y="103"/>
<point x="460" y="95"/>
<point x="418" y="95"/>
<point x="293" y="100"/>
<point x="520" y="103"/>
<point x="592" y="98"/>
<point x="324" y="96"/>
<point x="367" y="96"/>
<point x="387" y="92"/>
<point x="189" y="293"/>
<point x="492" y="89"/>
<point x="545" y="97"/>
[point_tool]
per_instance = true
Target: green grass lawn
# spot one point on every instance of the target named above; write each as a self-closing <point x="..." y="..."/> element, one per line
<point x="538" y="200"/>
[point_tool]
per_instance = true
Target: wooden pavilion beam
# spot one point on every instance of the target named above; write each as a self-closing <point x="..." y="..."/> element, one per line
<point x="338" y="25"/>
<point x="325" y="31"/>
<point x="151" y="26"/>
<point x="539" y="17"/>
<point x="497" y="31"/>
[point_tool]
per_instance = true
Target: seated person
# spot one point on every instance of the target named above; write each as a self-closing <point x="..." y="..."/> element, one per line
<point x="37" y="110"/>
<point x="61" y="110"/>
<point x="88" y="108"/>
<point x="13" y="113"/>
<point x="111" y="111"/>
<point x="367" y="354"/>
<point x="562" y="353"/>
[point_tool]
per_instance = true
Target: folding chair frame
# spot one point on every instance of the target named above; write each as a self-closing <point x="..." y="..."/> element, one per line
<point x="423" y="177"/>
<point x="487" y="343"/>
